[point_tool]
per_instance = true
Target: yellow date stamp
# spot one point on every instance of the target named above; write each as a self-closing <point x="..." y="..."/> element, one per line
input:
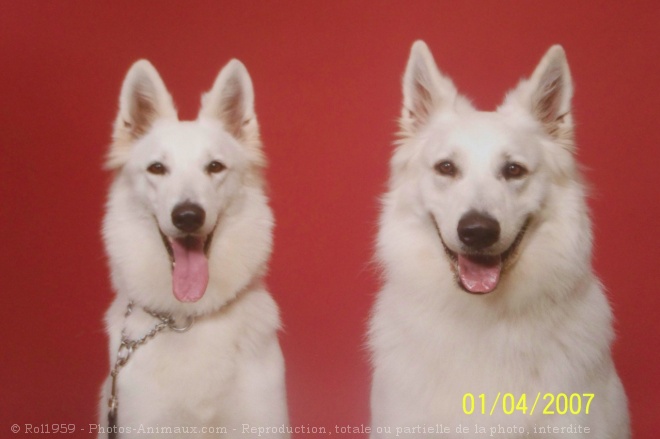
<point x="544" y="403"/>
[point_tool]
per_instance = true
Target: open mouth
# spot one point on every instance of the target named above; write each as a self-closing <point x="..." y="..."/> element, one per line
<point x="479" y="273"/>
<point x="190" y="266"/>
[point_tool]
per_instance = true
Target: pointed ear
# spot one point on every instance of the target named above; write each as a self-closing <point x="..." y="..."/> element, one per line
<point x="231" y="101"/>
<point x="143" y="99"/>
<point x="550" y="90"/>
<point x="425" y="89"/>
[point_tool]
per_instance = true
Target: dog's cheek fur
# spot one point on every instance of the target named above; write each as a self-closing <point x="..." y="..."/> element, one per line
<point x="408" y="249"/>
<point x="136" y="250"/>
<point x="145" y="189"/>
<point x="445" y="204"/>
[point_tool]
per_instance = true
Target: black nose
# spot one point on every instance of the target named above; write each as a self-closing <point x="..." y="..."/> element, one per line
<point x="477" y="230"/>
<point x="188" y="217"/>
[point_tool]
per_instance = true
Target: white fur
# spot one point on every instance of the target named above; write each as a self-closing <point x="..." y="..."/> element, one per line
<point x="227" y="370"/>
<point x="547" y="327"/>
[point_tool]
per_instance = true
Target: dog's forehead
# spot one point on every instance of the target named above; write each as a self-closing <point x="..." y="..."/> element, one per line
<point x="191" y="141"/>
<point x="478" y="134"/>
<point x="481" y="131"/>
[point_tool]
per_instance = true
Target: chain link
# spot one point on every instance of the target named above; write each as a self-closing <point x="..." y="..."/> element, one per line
<point x="128" y="346"/>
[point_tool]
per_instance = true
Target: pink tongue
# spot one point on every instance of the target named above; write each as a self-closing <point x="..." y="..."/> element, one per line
<point x="191" y="269"/>
<point x="479" y="274"/>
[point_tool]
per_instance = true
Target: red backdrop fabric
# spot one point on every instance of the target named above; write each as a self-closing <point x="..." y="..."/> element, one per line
<point x="327" y="81"/>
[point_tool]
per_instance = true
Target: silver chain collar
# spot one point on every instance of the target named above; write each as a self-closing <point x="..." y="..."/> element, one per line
<point x="126" y="348"/>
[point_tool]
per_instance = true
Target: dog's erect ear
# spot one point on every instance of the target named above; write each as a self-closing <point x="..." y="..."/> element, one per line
<point x="550" y="90"/>
<point x="231" y="100"/>
<point x="425" y="89"/>
<point x="143" y="99"/>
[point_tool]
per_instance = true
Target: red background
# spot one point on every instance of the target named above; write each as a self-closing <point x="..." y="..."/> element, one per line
<point x="327" y="80"/>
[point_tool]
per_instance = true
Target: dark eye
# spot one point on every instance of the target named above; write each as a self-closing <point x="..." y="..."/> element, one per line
<point x="157" y="168"/>
<point x="513" y="171"/>
<point x="215" y="167"/>
<point x="446" y="168"/>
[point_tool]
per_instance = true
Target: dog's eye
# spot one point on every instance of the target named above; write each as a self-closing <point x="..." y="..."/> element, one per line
<point x="513" y="171"/>
<point x="215" y="167"/>
<point x="446" y="168"/>
<point x="157" y="168"/>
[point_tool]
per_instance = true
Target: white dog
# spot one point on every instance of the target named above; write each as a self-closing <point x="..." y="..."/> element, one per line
<point x="188" y="230"/>
<point x="490" y="321"/>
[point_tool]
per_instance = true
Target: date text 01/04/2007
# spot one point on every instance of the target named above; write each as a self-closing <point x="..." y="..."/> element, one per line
<point x="552" y="404"/>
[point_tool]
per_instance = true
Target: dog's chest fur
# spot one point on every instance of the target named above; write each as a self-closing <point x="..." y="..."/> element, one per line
<point x="189" y="378"/>
<point x="461" y="349"/>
